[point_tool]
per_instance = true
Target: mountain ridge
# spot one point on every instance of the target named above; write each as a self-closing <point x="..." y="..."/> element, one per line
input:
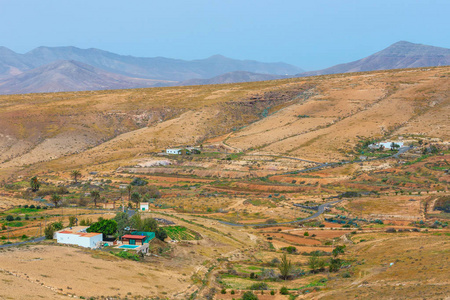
<point x="400" y="55"/>
<point x="69" y="75"/>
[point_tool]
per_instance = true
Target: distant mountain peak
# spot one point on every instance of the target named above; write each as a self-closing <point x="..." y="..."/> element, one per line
<point x="400" y="55"/>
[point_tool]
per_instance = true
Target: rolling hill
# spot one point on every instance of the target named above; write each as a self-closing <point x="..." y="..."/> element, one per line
<point x="231" y="77"/>
<point x="69" y="76"/>
<point x="316" y="118"/>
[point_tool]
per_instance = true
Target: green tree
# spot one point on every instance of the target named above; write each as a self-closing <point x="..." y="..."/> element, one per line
<point x="249" y="296"/>
<point x="136" y="198"/>
<point x="149" y="225"/>
<point x="55" y="199"/>
<point x="95" y="195"/>
<point x="75" y="175"/>
<point x="161" y="234"/>
<point x="49" y="231"/>
<point x="285" y="267"/>
<point x="338" y="250"/>
<point x="35" y="184"/>
<point x="136" y="221"/>
<point x="123" y="221"/>
<point x="72" y="221"/>
<point x="315" y="263"/>
<point x="107" y="227"/>
<point x="335" y="264"/>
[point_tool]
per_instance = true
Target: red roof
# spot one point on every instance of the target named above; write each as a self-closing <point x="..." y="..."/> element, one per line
<point x="134" y="237"/>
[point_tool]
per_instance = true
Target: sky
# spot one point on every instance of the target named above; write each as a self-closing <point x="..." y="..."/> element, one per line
<point x="312" y="34"/>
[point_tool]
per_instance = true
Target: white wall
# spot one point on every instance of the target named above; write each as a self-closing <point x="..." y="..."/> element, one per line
<point x="74" y="239"/>
<point x="173" y="151"/>
<point x="143" y="207"/>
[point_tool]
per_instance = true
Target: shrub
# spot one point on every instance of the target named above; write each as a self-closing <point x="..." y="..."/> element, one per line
<point x="25" y="206"/>
<point x="335" y="264"/>
<point x="267" y="274"/>
<point x="391" y="230"/>
<point x="161" y="234"/>
<point x="272" y="292"/>
<point x="49" y="231"/>
<point x="258" y="286"/>
<point x="232" y="292"/>
<point x="18" y="218"/>
<point x="32" y="206"/>
<point x="306" y="233"/>
<point x="249" y="296"/>
<point x="290" y="249"/>
<point x="223" y="291"/>
<point x="346" y="275"/>
<point x="139" y="182"/>
<point x="58" y="225"/>
<point x="9" y="218"/>
<point x="284" y="291"/>
<point x="275" y="261"/>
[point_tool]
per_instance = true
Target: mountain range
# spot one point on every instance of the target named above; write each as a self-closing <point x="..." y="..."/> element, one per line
<point x="55" y="69"/>
<point x="400" y="55"/>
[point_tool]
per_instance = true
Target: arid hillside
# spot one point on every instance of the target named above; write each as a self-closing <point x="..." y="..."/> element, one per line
<point x="318" y="118"/>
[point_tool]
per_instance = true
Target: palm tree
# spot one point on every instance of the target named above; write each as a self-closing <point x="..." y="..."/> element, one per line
<point x="75" y="175"/>
<point x="95" y="195"/>
<point x="55" y="199"/>
<point x="136" y="198"/>
<point x="129" y="190"/>
<point x="34" y="183"/>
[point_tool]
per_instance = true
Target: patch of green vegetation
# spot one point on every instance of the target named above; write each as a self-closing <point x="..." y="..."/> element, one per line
<point x="181" y="233"/>
<point x="15" y="224"/>
<point x="126" y="255"/>
<point x="21" y="210"/>
<point x="234" y="156"/>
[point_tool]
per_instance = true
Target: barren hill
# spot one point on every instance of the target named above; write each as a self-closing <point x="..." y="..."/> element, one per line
<point x="317" y="118"/>
<point x="69" y="76"/>
<point x="400" y="55"/>
<point x="231" y="77"/>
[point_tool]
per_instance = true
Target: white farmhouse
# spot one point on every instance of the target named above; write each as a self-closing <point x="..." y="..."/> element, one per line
<point x="143" y="206"/>
<point x="173" y="151"/>
<point x="79" y="236"/>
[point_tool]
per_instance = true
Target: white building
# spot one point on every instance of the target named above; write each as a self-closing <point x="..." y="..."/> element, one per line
<point x="384" y="145"/>
<point x="79" y="236"/>
<point x="143" y="206"/>
<point x="173" y="151"/>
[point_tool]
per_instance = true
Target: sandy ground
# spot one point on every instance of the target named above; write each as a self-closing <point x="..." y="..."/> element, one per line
<point x="73" y="271"/>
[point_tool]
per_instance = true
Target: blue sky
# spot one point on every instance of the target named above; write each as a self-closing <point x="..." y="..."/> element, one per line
<point x="311" y="34"/>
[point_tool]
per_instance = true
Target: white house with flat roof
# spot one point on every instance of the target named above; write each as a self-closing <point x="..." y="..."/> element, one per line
<point x="173" y="151"/>
<point x="79" y="236"/>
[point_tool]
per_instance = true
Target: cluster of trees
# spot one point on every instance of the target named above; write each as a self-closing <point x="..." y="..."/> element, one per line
<point x="317" y="264"/>
<point x="138" y="190"/>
